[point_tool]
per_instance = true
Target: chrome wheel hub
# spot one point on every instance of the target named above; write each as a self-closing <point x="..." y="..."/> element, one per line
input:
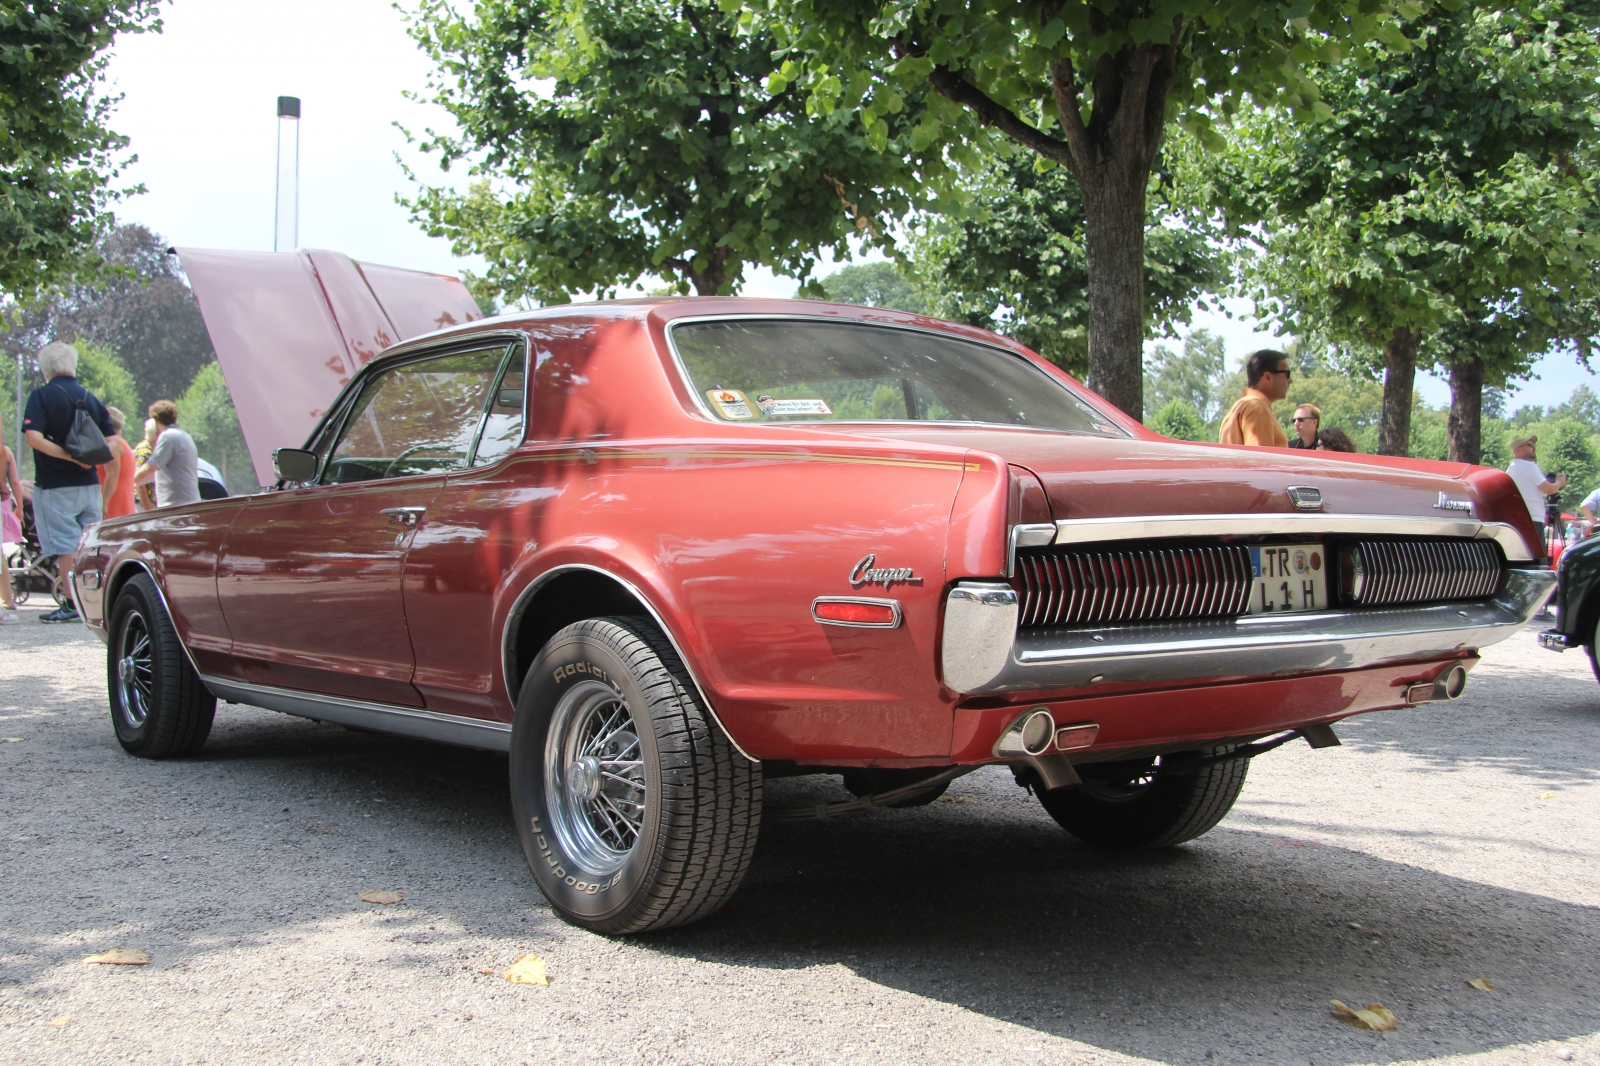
<point x="594" y="777"/>
<point x="583" y="778"/>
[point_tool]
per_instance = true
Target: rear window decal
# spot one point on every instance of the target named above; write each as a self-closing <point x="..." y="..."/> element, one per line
<point x="731" y="402"/>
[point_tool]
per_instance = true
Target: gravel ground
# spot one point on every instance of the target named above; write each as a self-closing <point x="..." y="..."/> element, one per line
<point x="1437" y="845"/>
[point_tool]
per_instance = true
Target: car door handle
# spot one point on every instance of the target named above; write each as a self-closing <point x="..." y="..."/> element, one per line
<point x="406" y="516"/>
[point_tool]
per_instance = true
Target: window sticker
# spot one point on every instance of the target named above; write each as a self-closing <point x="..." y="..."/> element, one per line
<point x="731" y="403"/>
<point x="771" y="407"/>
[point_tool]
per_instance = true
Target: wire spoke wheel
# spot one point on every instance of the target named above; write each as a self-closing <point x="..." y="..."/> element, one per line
<point x="595" y="787"/>
<point x="135" y="671"/>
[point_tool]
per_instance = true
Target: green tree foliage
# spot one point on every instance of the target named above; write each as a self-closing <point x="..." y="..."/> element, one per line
<point x="140" y="308"/>
<point x="206" y="410"/>
<point x="1016" y="260"/>
<point x="1179" y="419"/>
<point x="1443" y="189"/>
<point x="102" y="373"/>
<point x="615" y="139"/>
<point x="875" y="285"/>
<point x="1091" y="87"/>
<point x="1194" y="376"/>
<point x="57" y="155"/>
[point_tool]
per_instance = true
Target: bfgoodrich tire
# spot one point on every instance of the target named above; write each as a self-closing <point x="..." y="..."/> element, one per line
<point x="1155" y="808"/>
<point x="159" y="708"/>
<point x="635" y="812"/>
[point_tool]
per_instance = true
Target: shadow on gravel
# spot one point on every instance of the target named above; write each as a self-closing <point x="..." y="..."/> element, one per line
<point x="1226" y="950"/>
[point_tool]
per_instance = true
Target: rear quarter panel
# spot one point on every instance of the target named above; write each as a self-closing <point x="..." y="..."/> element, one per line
<point x="732" y="533"/>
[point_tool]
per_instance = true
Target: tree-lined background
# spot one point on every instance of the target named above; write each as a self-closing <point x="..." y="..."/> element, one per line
<point x="1394" y="184"/>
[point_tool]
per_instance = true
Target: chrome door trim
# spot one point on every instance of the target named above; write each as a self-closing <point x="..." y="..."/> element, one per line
<point x="1155" y="527"/>
<point x="379" y="717"/>
<point x="520" y="604"/>
<point x="1259" y="647"/>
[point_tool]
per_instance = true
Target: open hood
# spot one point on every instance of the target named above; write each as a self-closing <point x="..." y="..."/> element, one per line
<point x="291" y="328"/>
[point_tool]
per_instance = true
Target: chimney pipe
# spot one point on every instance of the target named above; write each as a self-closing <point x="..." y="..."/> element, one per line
<point x="286" y="212"/>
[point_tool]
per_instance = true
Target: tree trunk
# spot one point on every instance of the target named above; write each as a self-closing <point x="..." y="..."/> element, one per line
<point x="1110" y="155"/>
<point x="1114" y="212"/>
<point x="1466" y="411"/>
<point x="1400" y="372"/>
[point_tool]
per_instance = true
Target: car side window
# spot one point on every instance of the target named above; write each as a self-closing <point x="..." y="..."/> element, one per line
<point x="502" y="430"/>
<point x="419" y="418"/>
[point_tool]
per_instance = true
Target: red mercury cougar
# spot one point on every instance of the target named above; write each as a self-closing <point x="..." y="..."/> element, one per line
<point x="659" y="550"/>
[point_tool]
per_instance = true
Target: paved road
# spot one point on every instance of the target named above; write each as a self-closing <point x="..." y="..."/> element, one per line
<point x="1437" y="845"/>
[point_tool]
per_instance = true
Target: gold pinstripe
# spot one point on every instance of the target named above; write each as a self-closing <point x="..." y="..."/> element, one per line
<point x="782" y="457"/>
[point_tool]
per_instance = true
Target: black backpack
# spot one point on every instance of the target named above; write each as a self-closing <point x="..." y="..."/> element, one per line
<point x="84" y="441"/>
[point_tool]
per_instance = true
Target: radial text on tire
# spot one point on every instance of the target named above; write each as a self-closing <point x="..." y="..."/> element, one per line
<point x="159" y="708"/>
<point x="1156" y="807"/>
<point x="634" y="810"/>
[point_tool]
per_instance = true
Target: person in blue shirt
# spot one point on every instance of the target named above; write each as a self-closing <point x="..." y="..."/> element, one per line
<point x="66" y="493"/>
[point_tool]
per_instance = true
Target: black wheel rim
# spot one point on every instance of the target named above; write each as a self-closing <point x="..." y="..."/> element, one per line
<point x="135" y="671"/>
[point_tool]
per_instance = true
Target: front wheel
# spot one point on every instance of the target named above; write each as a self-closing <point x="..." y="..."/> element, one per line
<point x="1150" y="805"/>
<point x="634" y="811"/>
<point x="159" y="707"/>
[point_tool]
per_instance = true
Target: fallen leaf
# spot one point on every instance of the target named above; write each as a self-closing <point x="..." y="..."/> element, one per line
<point x="528" y="970"/>
<point x="1481" y="984"/>
<point x="380" y="897"/>
<point x="1547" y="795"/>
<point x="947" y="799"/>
<point x="1373" y="932"/>
<point x="963" y="799"/>
<point x="65" y="1019"/>
<point x="1377" y="1017"/>
<point x="488" y="973"/>
<point x="118" y="957"/>
<point x="10" y="740"/>
<point x="1353" y="925"/>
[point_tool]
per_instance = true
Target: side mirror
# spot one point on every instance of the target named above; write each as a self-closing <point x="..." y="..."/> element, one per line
<point x="295" y="464"/>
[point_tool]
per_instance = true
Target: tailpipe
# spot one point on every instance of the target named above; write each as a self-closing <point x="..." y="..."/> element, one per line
<point x="1449" y="685"/>
<point x="1031" y="733"/>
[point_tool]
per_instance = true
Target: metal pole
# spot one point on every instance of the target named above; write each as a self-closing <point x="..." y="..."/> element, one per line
<point x="286" y="206"/>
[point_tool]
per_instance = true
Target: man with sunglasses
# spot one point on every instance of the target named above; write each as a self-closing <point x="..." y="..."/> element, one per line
<point x="1307" y="421"/>
<point x="1251" y="420"/>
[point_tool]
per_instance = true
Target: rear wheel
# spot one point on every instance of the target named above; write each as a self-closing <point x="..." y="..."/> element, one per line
<point x="1148" y="805"/>
<point x="634" y="811"/>
<point x="159" y="708"/>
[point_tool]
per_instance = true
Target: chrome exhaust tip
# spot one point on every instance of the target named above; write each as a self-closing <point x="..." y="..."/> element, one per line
<point x="1031" y="733"/>
<point x="1450" y="684"/>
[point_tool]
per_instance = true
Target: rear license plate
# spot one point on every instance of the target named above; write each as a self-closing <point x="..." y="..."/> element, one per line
<point x="1288" y="577"/>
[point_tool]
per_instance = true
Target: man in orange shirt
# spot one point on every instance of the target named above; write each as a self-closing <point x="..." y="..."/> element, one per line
<point x="1251" y="421"/>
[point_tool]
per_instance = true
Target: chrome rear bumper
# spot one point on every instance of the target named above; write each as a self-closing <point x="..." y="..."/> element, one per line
<point x="984" y="654"/>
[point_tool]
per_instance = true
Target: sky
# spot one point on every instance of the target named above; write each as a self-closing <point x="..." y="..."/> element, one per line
<point x="200" y="107"/>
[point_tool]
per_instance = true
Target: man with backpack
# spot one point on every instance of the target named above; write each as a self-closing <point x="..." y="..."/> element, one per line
<point x="66" y="425"/>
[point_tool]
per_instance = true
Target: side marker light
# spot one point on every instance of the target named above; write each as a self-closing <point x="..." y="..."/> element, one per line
<point x="856" y="611"/>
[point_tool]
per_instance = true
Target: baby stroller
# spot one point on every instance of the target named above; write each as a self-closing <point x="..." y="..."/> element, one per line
<point x="31" y="569"/>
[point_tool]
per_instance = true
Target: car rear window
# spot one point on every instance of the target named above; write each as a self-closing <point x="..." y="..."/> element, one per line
<point x="784" y="370"/>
